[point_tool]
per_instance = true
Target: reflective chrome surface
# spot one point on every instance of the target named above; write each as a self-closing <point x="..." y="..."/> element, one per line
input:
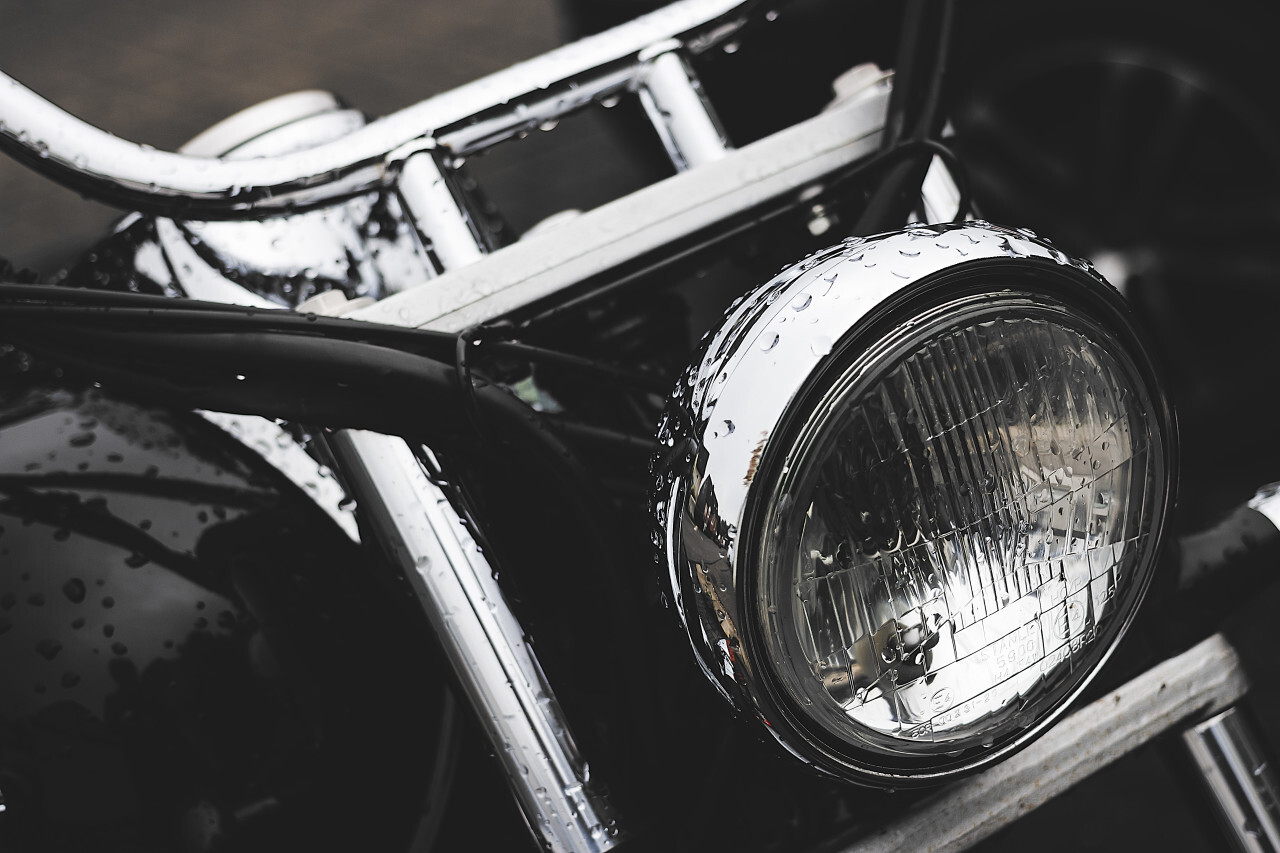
<point x="680" y="112"/>
<point x="1267" y="502"/>
<point x="360" y="247"/>
<point x="525" y="95"/>
<point x="267" y="262"/>
<point x="411" y="517"/>
<point x="624" y="229"/>
<point x="440" y="219"/>
<point x="723" y="421"/>
<point x="282" y="451"/>
<point x="420" y="531"/>
<point x="1232" y="759"/>
<point x="1204" y="679"/>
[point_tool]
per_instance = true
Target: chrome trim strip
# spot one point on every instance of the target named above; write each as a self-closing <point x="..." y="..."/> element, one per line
<point x="1232" y="760"/>
<point x="270" y="441"/>
<point x="421" y="532"/>
<point x="124" y="173"/>
<point x="680" y="112"/>
<point x="1203" y="680"/>
<point x="437" y="214"/>
<point x="647" y="219"/>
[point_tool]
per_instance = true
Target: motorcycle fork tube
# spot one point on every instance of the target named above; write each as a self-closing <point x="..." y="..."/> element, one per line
<point x="422" y="533"/>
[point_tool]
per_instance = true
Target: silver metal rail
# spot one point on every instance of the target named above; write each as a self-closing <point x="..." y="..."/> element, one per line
<point x="1204" y="680"/>
<point x="423" y="534"/>
<point x="436" y="212"/>
<point x="476" y="115"/>
<point x="415" y="523"/>
<point x="1231" y="759"/>
<point x="680" y="112"/>
<point x="627" y="228"/>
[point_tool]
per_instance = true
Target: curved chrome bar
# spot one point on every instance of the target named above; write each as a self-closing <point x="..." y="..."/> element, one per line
<point x="132" y="176"/>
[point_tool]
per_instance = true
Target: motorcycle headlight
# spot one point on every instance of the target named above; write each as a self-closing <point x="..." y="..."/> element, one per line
<point x="913" y="495"/>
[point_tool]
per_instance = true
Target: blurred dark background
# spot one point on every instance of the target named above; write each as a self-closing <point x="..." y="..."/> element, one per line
<point x="1138" y="134"/>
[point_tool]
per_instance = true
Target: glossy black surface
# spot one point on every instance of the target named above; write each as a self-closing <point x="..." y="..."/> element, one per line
<point x="195" y="657"/>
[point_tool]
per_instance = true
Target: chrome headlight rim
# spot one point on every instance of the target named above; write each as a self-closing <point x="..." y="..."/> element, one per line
<point x="896" y="305"/>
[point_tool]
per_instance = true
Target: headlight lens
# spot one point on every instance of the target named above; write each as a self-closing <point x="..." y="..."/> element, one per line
<point x="914" y="496"/>
<point x="957" y="528"/>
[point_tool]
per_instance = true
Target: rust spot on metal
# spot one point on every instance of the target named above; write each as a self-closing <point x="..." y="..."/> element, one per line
<point x="754" y="464"/>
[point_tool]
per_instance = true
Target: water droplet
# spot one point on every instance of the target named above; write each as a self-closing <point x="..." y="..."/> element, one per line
<point x="768" y="342"/>
<point x="801" y="302"/>
<point x="48" y="648"/>
<point x="108" y="630"/>
<point x="820" y="345"/>
<point x="74" y="590"/>
<point x="82" y="439"/>
<point x="119" y="649"/>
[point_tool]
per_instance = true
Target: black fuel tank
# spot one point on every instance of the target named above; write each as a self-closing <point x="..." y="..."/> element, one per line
<point x="193" y="656"/>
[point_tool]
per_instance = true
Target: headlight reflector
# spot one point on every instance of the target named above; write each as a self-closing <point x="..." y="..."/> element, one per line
<point x="956" y="529"/>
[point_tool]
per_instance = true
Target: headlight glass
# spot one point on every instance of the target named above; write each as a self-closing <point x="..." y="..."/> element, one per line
<point x="954" y="538"/>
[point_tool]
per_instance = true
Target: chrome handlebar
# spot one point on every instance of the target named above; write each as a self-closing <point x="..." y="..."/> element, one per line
<point x="459" y="122"/>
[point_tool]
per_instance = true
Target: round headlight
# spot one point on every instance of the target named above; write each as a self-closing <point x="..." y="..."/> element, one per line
<point x="914" y="495"/>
